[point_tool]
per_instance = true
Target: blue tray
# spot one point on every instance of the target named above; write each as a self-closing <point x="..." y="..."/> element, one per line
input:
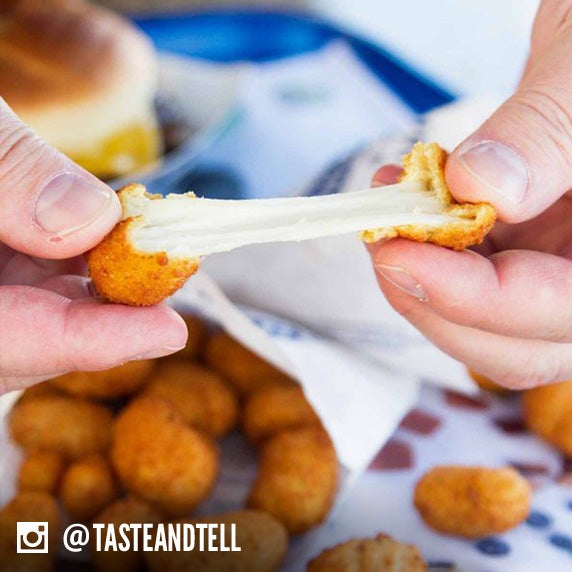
<point x="255" y="35"/>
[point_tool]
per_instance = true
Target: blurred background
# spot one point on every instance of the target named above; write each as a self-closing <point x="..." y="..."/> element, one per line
<point x="466" y="45"/>
<point x="265" y="98"/>
<point x="326" y="104"/>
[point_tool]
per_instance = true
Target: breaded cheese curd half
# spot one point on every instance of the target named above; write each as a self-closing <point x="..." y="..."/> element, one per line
<point x="379" y="554"/>
<point x="85" y="79"/>
<point x="160" y="242"/>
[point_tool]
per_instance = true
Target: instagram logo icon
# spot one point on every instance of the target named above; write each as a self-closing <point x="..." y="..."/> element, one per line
<point x="32" y="537"/>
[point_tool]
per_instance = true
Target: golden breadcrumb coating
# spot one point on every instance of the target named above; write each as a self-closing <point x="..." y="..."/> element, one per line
<point x="379" y="554"/>
<point x="108" y="384"/>
<point x="66" y="425"/>
<point x="548" y="412"/>
<point x="275" y="409"/>
<point x="161" y="459"/>
<point x="262" y="539"/>
<point x="472" y="502"/>
<point x="426" y="162"/>
<point x="127" y="276"/>
<point x="245" y="370"/>
<point x="38" y="391"/>
<point x="201" y="396"/>
<point x="87" y="487"/>
<point x="41" y="472"/>
<point x="297" y="478"/>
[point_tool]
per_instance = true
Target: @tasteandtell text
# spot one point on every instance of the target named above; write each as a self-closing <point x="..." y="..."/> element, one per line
<point x="167" y="537"/>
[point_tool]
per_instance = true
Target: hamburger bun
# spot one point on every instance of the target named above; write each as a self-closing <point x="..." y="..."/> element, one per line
<point x="84" y="79"/>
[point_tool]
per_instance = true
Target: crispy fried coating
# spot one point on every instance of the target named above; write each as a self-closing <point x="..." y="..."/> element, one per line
<point x="88" y="486"/>
<point x="548" y="412"/>
<point x="29" y="507"/>
<point x="262" y="539"/>
<point x="127" y="510"/>
<point x="201" y="396"/>
<point x="274" y="409"/>
<point x="109" y="384"/>
<point x="379" y="554"/>
<point x="297" y="478"/>
<point x="472" y="502"/>
<point x="39" y="390"/>
<point x="124" y="275"/>
<point x="72" y="427"/>
<point x="426" y="162"/>
<point x="196" y="340"/>
<point x="41" y="472"/>
<point x="243" y="368"/>
<point x="159" y="458"/>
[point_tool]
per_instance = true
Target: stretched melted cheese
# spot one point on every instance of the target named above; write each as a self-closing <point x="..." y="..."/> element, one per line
<point x="160" y="241"/>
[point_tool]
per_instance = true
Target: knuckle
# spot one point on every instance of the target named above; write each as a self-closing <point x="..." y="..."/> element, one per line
<point x="21" y="152"/>
<point x="553" y="116"/>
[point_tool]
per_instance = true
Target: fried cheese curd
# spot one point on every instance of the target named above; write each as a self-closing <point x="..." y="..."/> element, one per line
<point x="379" y="554"/>
<point x="245" y="370"/>
<point x="39" y="390"/>
<point x="108" y="384"/>
<point x="41" y="472"/>
<point x="202" y="397"/>
<point x="274" y="409"/>
<point x="127" y="510"/>
<point x="161" y="459"/>
<point x="297" y="478"/>
<point x="87" y="487"/>
<point x="34" y="508"/>
<point x="472" y="502"/>
<point x="548" y="413"/>
<point x="72" y="427"/>
<point x="160" y="242"/>
<point x="262" y="539"/>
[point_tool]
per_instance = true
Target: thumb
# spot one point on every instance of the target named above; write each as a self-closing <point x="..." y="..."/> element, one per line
<point x="520" y="160"/>
<point x="49" y="207"/>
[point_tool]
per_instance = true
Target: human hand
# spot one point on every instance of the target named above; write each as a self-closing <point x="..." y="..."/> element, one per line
<point x="51" y="211"/>
<point x="504" y="309"/>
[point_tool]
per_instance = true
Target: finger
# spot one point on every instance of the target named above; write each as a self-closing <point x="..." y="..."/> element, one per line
<point x="68" y="286"/>
<point x="511" y="362"/>
<point x="27" y="270"/>
<point x="514" y="293"/>
<point x="387" y="175"/>
<point x="49" y="207"/>
<point x="43" y="333"/>
<point x="520" y="159"/>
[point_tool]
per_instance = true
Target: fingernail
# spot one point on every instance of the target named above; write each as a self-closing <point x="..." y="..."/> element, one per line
<point x="499" y="168"/>
<point x="70" y="202"/>
<point x="401" y="279"/>
<point x="156" y="353"/>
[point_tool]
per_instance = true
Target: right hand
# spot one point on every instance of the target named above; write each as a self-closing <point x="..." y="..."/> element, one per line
<point x="507" y="311"/>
